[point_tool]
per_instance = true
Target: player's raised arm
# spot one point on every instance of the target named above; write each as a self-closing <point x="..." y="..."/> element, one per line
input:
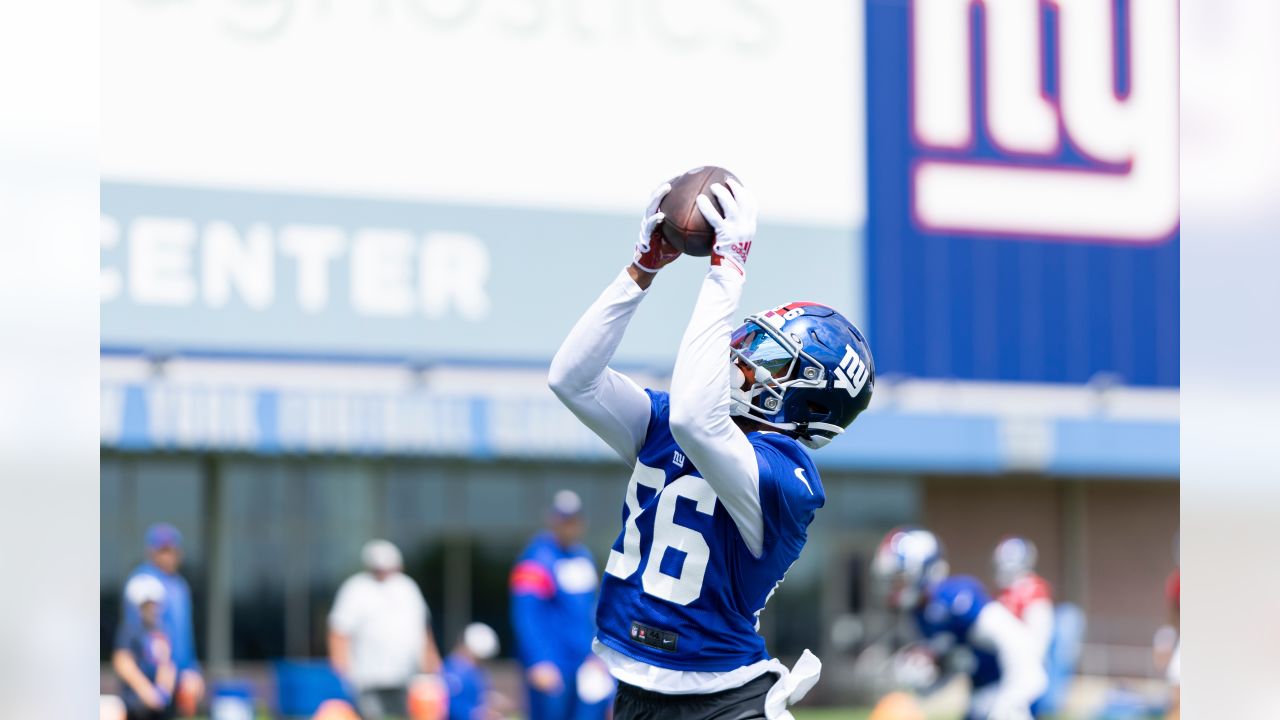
<point x="700" y="419"/>
<point x="608" y="402"/>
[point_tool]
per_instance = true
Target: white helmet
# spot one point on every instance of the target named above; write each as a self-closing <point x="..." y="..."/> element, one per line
<point x="381" y="555"/>
<point x="480" y="640"/>
<point x="144" y="589"/>
<point x="1013" y="558"/>
<point x="907" y="564"/>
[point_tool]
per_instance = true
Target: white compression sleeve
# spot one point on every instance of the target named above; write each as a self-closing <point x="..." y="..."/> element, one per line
<point x="608" y="402"/>
<point x="1022" y="676"/>
<point x="700" y="419"/>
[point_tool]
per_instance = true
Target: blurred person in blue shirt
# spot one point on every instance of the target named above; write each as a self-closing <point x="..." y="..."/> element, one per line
<point x="164" y="558"/>
<point x="470" y="696"/>
<point x="553" y="596"/>
<point x="143" y="658"/>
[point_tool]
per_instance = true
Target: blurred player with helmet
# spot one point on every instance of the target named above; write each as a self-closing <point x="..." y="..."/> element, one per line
<point x="470" y="696"/>
<point x="1057" y="631"/>
<point x="553" y="599"/>
<point x="1167" y="643"/>
<point x="955" y="612"/>
<point x="143" y="657"/>
<point x="1026" y="594"/>
<point x="723" y="489"/>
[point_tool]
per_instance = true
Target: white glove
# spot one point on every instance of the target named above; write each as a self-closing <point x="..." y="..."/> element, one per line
<point x="652" y="251"/>
<point x="736" y="228"/>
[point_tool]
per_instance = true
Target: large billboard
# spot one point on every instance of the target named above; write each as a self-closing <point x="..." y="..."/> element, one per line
<point x="1023" y="189"/>
<point x="241" y="273"/>
<point x="458" y="179"/>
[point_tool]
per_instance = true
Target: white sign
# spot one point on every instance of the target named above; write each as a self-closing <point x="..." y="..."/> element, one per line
<point x="1130" y="191"/>
<point x="390" y="272"/>
<point x="565" y="104"/>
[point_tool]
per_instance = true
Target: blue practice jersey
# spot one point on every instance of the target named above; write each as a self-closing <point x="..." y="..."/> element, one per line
<point x="467" y="686"/>
<point x="175" y="614"/>
<point x="553" y="600"/>
<point x="150" y="648"/>
<point x="948" y="616"/>
<point x="682" y="591"/>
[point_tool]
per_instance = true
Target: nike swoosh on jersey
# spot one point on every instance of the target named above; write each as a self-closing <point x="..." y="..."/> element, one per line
<point x="800" y="474"/>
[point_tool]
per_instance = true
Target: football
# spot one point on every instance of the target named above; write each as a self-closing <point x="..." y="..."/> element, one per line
<point x="683" y="225"/>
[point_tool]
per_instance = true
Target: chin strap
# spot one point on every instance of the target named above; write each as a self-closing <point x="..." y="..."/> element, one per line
<point x="740" y="405"/>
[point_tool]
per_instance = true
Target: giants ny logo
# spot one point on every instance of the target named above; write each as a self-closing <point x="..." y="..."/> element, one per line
<point x="851" y="374"/>
<point x="1075" y="104"/>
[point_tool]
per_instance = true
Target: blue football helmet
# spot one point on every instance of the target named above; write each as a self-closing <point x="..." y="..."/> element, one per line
<point x="801" y="368"/>
<point x="907" y="565"/>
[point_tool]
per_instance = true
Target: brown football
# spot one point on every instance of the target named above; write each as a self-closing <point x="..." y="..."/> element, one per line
<point x="683" y="225"/>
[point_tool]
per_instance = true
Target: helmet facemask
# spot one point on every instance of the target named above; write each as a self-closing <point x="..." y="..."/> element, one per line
<point x="764" y="365"/>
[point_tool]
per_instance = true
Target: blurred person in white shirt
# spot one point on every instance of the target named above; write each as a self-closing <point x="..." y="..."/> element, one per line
<point x="380" y="633"/>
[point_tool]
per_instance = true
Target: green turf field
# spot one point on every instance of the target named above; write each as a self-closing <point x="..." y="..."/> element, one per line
<point x="830" y="713"/>
<point x="800" y="713"/>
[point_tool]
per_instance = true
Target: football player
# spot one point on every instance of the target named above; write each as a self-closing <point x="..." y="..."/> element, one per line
<point x="467" y="679"/>
<point x="954" y="612"/>
<point x="1025" y="593"/>
<point x="1167" y="645"/>
<point x="722" y="490"/>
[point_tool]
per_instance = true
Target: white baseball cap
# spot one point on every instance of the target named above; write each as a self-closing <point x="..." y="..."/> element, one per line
<point x="381" y="555"/>
<point x="144" y="589"/>
<point x="480" y="640"/>
<point x="566" y="504"/>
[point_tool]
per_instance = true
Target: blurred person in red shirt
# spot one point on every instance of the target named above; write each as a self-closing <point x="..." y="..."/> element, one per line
<point x="1167" y="644"/>
<point x="1026" y="594"/>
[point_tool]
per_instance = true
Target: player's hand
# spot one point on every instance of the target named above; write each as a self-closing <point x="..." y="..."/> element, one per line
<point x="545" y="677"/>
<point x="653" y="252"/>
<point x="736" y="229"/>
<point x="153" y="698"/>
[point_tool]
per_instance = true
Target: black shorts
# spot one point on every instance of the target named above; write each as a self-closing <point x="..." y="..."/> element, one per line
<point x="741" y="703"/>
<point x="144" y="713"/>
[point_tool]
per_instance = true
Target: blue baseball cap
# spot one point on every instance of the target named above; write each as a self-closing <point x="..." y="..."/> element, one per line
<point x="163" y="535"/>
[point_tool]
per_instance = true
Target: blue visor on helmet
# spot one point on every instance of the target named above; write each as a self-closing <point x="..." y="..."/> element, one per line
<point x="761" y="349"/>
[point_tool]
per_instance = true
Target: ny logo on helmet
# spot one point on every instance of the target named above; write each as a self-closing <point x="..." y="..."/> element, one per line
<point x="851" y="374"/>
<point x="1083" y="153"/>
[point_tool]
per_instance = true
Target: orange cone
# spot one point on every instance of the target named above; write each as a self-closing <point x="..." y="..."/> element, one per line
<point x="897" y="706"/>
<point x="187" y="698"/>
<point x="428" y="698"/>
<point x="335" y="710"/>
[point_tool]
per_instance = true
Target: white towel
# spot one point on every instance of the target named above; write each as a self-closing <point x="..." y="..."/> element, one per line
<point x="792" y="686"/>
